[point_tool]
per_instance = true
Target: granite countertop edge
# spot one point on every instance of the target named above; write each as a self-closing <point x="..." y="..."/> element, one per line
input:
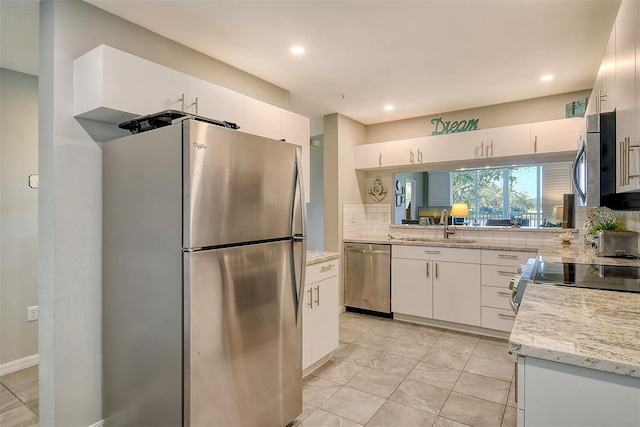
<point x="581" y="327"/>
<point x="316" y="257"/>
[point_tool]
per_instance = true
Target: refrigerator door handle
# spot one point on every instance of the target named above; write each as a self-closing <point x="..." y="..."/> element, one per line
<point x="300" y="237"/>
<point x="574" y="172"/>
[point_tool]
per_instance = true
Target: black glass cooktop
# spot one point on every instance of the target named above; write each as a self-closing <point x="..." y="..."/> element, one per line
<point x="595" y="276"/>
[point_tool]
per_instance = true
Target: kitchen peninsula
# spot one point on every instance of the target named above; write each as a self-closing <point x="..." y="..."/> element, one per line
<point x="578" y="357"/>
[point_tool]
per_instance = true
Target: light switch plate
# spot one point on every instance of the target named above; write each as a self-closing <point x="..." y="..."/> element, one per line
<point x="34" y="181"/>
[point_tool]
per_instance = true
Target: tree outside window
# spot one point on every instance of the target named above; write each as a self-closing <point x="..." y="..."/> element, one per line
<point x="510" y="193"/>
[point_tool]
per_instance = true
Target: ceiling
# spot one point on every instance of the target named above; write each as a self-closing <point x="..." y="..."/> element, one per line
<point x="424" y="57"/>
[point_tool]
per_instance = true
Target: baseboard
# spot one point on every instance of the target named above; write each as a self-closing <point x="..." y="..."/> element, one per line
<point x="98" y="424"/>
<point x="19" y="364"/>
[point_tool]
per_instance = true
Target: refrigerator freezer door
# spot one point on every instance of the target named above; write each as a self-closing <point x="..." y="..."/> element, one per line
<point x="243" y="351"/>
<point x="237" y="187"/>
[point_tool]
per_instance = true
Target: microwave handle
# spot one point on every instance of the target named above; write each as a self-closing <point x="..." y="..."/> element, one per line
<point x="574" y="172"/>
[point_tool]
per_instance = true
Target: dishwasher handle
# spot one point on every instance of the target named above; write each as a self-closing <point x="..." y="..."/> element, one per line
<point x="368" y="251"/>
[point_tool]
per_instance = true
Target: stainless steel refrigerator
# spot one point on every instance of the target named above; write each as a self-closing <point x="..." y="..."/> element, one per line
<point x="203" y="258"/>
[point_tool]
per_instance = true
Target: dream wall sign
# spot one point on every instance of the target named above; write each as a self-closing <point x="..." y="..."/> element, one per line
<point x="443" y="127"/>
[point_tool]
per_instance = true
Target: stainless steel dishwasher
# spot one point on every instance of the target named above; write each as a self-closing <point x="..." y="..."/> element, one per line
<point x="367" y="285"/>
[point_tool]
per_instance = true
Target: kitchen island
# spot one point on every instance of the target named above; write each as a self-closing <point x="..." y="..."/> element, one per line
<point x="578" y="357"/>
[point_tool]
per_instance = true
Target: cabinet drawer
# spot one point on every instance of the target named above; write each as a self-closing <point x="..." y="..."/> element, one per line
<point x="321" y="271"/>
<point x="434" y="253"/>
<point x="498" y="275"/>
<point x="513" y="258"/>
<point x="498" y="319"/>
<point x="492" y="296"/>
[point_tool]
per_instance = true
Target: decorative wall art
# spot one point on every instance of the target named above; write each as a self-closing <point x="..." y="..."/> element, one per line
<point x="377" y="191"/>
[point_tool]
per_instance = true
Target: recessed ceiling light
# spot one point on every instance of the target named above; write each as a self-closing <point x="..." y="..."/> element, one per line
<point x="297" y="50"/>
<point x="546" y="78"/>
<point x="389" y="107"/>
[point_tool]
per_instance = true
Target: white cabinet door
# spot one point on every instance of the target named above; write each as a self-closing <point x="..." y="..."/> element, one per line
<point x="325" y="304"/>
<point x="411" y="287"/>
<point x="296" y="130"/>
<point x="433" y="149"/>
<point x="308" y="323"/>
<point x="320" y="330"/>
<point x="608" y="67"/>
<point x="263" y="119"/>
<point x="468" y="145"/>
<point x="557" y="135"/>
<point x="626" y="129"/>
<point x="215" y="102"/>
<point x="509" y="141"/>
<point x="370" y="156"/>
<point x="112" y="86"/>
<point x="400" y="153"/>
<point x="456" y="292"/>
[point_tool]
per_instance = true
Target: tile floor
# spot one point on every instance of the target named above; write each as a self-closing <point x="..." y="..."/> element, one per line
<point x="19" y="398"/>
<point x="385" y="373"/>
<point x="391" y="373"/>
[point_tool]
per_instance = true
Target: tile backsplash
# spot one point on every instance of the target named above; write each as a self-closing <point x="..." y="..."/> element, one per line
<point x="365" y="220"/>
<point x="373" y="221"/>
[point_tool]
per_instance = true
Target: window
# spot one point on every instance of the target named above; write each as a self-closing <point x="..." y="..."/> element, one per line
<point x="496" y="196"/>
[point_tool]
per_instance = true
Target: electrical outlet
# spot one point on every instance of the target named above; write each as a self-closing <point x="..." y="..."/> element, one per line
<point x="32" y="313"/>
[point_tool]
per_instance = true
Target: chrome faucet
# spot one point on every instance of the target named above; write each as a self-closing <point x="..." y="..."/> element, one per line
<point x="444" y="218"/>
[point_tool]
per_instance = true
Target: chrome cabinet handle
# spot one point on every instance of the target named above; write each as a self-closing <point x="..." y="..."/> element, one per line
<point x="411" y="156"/>
<point x="427" y="269"/>
<point x="629" y="149"/>
<point x="506" y="316"/>
<point x="195" y="103"/>
<point x="318" y="296"/>
<point x="327" y="267"/>
<point x="380" y="160"/>
<point x="419" y="156"/>
<point x="535" y="144"/>
<point x="310" y="303"/>
<point x="504" y="294"/>
<point x="490" y="146"/>
<point x="621" y="173"/>
<point x="432" y="252"/>
<point x="181" y="99"/>
<point x="507" y="273"/>
<point x="436" y="270"/>
<point x="507" y="256"/>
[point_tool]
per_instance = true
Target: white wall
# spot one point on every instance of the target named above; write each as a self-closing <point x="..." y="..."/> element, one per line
<point x="70" y="198"/>
<point x="18" y="214"/>
<point x="315" y="209"/>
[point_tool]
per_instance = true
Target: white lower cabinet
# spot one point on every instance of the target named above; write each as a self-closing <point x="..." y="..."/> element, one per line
<point x="456" y="293"/>
<point x="557" y="394"/>
<point x="432" y="282"/>
<point x="320" y="312"/>
<point x="498" y="267"/>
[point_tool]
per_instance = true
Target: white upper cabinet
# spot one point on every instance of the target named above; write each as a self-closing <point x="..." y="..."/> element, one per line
<point x="556" y="135"/>
<point x="509" y="141"/>
<point x="263" y="119"/>
<point x="434" y="149"/>
<point x="401" y="152"/>
<point x="112" y="86"/>
<point x="215" y="102"/>
<point x="468" y="145"/>
<point x="626" y="96"/>
<point x="370" y="156"/>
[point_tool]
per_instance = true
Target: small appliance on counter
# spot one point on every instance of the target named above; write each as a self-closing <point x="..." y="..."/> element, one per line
<point x="613" y="243"/>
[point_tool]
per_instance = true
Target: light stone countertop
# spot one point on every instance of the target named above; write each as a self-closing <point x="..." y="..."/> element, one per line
<point x="316" y="257"/>
<point x="582" y="327"/>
